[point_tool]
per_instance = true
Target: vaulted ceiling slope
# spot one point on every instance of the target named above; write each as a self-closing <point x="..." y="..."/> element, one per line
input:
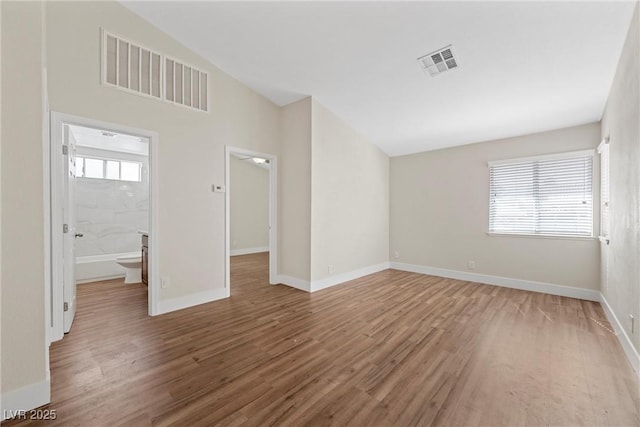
<point x="523" y="67"/>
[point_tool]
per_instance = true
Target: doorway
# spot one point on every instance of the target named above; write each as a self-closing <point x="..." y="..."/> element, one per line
<point x="103" y="205"/>
<point x="255" y="234"/>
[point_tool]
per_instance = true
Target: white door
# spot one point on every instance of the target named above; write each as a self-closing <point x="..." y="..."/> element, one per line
<point x="69" y="228"/>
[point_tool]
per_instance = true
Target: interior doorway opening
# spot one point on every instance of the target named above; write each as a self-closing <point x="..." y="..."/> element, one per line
<point x="103" y="219"/>
<point x="251" y="210"/>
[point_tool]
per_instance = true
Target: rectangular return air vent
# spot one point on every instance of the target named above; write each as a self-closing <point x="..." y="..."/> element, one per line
<point x="136" y="69"/>
<point x="438" y="62"/>
<point x="185" y="85"/>
<point x="131" y="67"/>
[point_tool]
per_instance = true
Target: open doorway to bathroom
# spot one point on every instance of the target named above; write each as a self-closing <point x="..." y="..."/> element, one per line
<point x="101" y="216"/>
<point x="111" y="207"/>
<point x="251" y="225"/>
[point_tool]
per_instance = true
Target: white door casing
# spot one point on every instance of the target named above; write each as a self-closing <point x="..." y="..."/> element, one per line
<point x="273" y="213"/>
<point x="58" y="181"/>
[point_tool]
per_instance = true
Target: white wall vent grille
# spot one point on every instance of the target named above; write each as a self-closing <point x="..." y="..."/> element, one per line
<point x="131" y="67"/>
<point x="185" y="85"/>
<point x="438" y="62"/>
<point x="137" y="69"/>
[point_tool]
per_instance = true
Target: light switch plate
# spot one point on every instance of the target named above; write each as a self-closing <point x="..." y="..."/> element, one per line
<point x="218" y="188"/>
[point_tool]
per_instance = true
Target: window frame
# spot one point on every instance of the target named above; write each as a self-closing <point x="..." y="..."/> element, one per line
<point x="604" y="152"/>
<point x="104" y="168"/>
<point x="556" y="156"/>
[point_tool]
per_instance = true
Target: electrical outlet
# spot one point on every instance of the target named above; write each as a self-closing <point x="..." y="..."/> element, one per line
<point x="396" y="254"/>
<point x="632" y="322"/>
<point x="165" y="283"/>
<point x="471" y="265"/>
<point x="330" y="268"/>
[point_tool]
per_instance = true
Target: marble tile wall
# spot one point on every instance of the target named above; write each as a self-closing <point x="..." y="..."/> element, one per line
<point x="109" y="214"/>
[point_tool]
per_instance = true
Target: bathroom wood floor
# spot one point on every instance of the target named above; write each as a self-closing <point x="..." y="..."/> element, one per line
<point x="389" y="349"/>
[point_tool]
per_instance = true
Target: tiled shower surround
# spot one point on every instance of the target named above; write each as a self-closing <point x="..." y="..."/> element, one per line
<point x="109" y="213"/>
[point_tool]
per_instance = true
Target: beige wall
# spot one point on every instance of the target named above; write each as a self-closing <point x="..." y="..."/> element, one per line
<point x="440" y="207"/>
<point x="334" y="196"/>
<point x="191" y="231"/>
<point x="294" y="193"/>
<point x="621" y="122"/>
<point x="249" y="210"/>
<point x="438" y="199"/>
<point x="350" y="198"/>
<point x="23" y="315"/>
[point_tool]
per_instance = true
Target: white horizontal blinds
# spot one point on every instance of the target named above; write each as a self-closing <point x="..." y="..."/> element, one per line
<point x="131" y="67"/>
<point x="604" y="190"/>
<point x="547" y="197"/>
<point x="512" y="204"/>
<point x="185" y="85"/>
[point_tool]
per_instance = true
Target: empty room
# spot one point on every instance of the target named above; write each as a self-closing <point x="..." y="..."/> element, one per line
<point x="389" y="213"/>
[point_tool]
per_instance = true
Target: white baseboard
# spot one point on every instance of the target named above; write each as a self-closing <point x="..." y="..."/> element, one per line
<point x="629" y="350"/>
<point x="327" y="282"/>
<point x="507" y="282"/>
<point x="25" y="398"/>
<point x="248" y="251"/>
<point x="99" y="279"/>
<point x="294" y="282"/>
<point x="173" y="304"/>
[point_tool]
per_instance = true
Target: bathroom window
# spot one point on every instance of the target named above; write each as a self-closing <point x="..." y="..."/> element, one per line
<point x="119" y="170"/>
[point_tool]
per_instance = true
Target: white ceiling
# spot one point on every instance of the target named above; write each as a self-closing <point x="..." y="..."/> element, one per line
<point x="250" y="160"/>
<point x="524" y="67"/>
<point x="110" y="141"/>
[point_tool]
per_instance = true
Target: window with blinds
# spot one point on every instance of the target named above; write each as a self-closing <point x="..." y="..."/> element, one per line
<point x="543" y="196"/>
<point x="603" y="150"/>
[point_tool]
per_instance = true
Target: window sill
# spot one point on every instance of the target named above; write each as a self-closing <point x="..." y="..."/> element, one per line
<point x="537" y="236"/>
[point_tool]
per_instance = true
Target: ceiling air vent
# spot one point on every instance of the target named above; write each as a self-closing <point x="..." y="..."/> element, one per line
<point x="438" y="62"/>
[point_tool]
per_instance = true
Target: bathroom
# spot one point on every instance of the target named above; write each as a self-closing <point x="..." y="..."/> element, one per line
<point x="111" y="206"/>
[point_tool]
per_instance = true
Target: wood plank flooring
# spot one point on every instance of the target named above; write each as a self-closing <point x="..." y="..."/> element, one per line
<point x="389" y="349"/>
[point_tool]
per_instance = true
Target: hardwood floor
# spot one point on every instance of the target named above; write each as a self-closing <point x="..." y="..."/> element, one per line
<point x="389" y="349"/>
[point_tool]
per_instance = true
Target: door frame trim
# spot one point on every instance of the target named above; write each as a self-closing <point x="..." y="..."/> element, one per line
<point x="273" y="212"/>
<point x="55" y="160"/>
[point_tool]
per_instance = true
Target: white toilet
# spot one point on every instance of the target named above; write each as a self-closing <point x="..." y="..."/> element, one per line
<point x="133" y="268"/>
